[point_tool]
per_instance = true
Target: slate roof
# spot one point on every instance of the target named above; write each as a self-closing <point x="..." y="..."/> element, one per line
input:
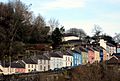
<point x="17" y="65"/>
<point x="56" y="54"/>
<point x="109" y="44"/>
<point x="96" y="49"/>
<point x="29" y="61"/>
<point x="68" y="52"/>
<point x="83" y="49"/>
<point x="114" y="60"/>
<point x="5" y="65"/>
<point x="90" y="48"/>
<point x="43" y="57"/>
<point x="116" y="54"/>
<point x="76" y="50"/>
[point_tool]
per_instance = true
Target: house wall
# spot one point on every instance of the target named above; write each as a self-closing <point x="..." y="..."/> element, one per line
<point x="70" y="38"/>
<point x="77" y="59"/>
<point x="111" y="49"/>
<point x="97" y="56"/>
<point x="67" y="60"/>
<point x="103" y="43"/>
<point x="30" y="67"/>
<point x="91" y="56"/>
<point x="19" y="70"/>
<point x="105" y="55"/>
<point x="84" y="57"/>
<point x="43" y="65"/>
<point x="8" y="70"/>
<point x="56" y="62"/>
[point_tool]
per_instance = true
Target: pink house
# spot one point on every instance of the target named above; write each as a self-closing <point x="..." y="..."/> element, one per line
<point x="19" y="68"/>
<point x="91" y="55"/>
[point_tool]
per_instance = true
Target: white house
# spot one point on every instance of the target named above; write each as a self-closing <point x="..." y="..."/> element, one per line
<point x="1" y="68"/>
<point x="69" y="36"/>
<point x="56" y="60"/>
<point x="103" y="43"/>
<point x="5" y="68"/>
<point x="67" y="59"/>
<point x="110" y="48"/>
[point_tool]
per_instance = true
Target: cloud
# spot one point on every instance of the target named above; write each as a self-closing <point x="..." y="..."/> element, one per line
<point x="63" y="4"/>
<point x="88" y="26"/>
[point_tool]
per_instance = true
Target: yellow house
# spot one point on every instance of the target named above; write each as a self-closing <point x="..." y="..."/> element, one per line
<point x="97" y="54"/>
<point x="84" y="53"/>
<point x="105" y="55"/>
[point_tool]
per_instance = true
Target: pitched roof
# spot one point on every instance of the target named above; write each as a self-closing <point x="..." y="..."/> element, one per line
<point x="5" y="65"/>
<point x="83" y="49"/>
<point x="76" y="50"/>
<point x="68" y="52"/>
<point x="109" y="44"/>
<point x="90" y="48"/>
<point x="114" y="60"/>
<point x="116" y="54"/>
<point x="17" y="65"/>
<point x="42" y="56"/>
<point x="56" y="54"/>
<point x="96" y="49"/>
<point x="29" y="61"/>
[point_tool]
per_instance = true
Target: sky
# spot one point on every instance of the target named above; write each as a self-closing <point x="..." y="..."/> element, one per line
<point x="82" y="14"/>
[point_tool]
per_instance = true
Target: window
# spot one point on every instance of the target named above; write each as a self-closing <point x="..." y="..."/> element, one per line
<point x="32" y="66"/>
<point x="68" y="59"/>
<point x="28" y="65"/>
<point x="35" y="66"/>
<point x="44" y="68"/>
<point x="48" y="62"/>
<point x="40" y="61"/>
<point x="44" y="61"/>
<point x="48" y="66"/>
<point x="40" y="67"/>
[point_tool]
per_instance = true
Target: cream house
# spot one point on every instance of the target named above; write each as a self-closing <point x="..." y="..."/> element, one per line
<point x="43" y="62"/>
<point x="29" y="64"/>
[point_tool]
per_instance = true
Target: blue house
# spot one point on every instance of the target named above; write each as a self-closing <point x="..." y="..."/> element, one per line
<point x="77" y="57"/>
<point x="101" y="54"/>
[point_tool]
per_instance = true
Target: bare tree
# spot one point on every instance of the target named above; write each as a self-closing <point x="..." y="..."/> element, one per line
<point x="53" y="23"/>
<point x="97" y="30"/>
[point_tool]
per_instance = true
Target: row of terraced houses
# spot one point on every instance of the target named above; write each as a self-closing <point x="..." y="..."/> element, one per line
<point x="53" y="59"/>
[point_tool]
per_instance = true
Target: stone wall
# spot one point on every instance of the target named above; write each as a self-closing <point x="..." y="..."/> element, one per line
<point x="36" y="76"/>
